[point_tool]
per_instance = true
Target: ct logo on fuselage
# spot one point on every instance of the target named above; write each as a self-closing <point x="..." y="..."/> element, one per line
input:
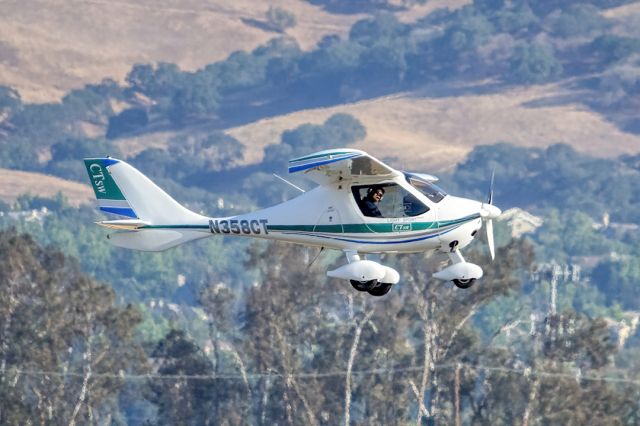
<point x="234" y="226"/>
<point x="401" y="227"/>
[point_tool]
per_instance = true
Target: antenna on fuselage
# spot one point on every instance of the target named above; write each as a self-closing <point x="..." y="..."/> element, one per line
<point x="289" y="183"/>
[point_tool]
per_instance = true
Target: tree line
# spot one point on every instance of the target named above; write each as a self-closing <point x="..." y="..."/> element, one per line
<point x="296" y="348"/>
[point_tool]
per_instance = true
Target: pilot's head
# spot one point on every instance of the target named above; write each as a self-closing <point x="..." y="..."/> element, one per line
<point x="376" y="193"/>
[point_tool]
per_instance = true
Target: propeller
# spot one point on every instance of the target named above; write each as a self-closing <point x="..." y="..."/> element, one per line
<point x="488" y="212"/>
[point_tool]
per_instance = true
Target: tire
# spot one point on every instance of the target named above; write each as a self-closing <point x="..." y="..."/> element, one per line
<point x="380" y="290"/>
<point x="464" y="283"/>
<point x="363" y="285"/>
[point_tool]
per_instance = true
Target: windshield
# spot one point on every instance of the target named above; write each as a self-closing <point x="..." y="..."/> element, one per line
<point x="431" y="191"/>
<point x="387" y="200"/>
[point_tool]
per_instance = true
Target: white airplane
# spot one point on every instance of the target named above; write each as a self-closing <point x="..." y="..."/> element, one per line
<point x="360" y="206"/>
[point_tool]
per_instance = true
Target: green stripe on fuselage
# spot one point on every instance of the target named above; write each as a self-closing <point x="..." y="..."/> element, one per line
<point x="355" y="228"/>
<point x="349" y="228"/>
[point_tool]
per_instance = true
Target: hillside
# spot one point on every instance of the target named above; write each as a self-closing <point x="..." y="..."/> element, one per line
<point x="49" y="47"/>
<point x="14" y="183"/>
<point x="46" y="51"/>
<point x="433" y="130"/>
<point x="435" y="133"/>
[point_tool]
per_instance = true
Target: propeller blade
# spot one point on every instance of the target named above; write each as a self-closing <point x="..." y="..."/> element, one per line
<point x="492" y="250"/>
<point x="490" y="197"/>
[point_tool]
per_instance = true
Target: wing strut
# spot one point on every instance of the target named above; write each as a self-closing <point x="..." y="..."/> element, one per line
<point x="289" y="183"/>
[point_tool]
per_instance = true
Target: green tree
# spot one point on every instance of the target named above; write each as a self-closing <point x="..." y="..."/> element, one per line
<point x="534" y="63"/>
<point x="91" y="104"/>
<point x="618" y="280"/>
<point x="196" y="98"/>
<point x="380" y="30"/>
<point x="129" y="120"/>
<point x="156" y="82"/>
<point x="576" y="20"/>
<point x="241" y="70"/>
<point x="67" y="154"/>
<point x="612" y="48"/>
<point x="183" y="400"/>
<point x="65" y="344"/>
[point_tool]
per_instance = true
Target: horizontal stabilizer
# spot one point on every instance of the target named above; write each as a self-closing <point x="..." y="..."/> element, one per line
<point x="127" y="225"/>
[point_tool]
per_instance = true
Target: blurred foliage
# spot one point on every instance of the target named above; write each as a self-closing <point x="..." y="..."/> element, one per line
<point x="534" y="63"/>
<point x="554" y="177"/>
<point x="57" y="320"/>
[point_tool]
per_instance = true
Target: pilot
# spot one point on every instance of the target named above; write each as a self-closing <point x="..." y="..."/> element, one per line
<point x="370" y="202"/>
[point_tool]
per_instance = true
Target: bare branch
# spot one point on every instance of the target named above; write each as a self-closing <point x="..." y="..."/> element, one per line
<point x="352" y="355"/>
<point x="422" y="410"/>
<point x="87" y="375"/>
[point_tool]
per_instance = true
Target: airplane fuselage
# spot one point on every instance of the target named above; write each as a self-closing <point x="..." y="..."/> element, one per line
<point x="329" y="216"/>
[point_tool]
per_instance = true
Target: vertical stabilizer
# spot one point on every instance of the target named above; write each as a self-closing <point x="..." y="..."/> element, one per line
<point x="123" y="190"/>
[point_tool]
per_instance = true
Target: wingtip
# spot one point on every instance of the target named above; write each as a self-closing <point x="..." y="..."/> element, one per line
<point x="103" y="161"/>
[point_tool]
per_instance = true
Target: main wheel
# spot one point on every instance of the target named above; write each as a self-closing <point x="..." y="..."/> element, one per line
<point x="464" y="283"/>
<point x="380" y="290"/>
<point x="363" y="285"/>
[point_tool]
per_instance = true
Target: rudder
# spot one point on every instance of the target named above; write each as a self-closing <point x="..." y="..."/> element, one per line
<point x="121" y="189"/>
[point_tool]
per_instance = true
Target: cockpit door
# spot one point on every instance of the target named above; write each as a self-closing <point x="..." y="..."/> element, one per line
<point x="329" y="221"/>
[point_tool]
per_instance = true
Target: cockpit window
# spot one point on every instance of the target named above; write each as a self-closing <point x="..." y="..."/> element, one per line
<point x="431" y="191"/>
<point x="387" y="200"/>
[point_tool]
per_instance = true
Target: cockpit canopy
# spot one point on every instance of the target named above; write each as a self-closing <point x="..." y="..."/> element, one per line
<point x="393" y="201"/>
<point x="430" y="190"/>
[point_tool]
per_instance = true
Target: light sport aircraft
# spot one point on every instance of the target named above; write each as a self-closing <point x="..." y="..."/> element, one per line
<point x="342" y="213"/>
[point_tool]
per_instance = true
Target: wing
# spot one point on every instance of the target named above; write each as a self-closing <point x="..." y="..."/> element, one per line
<point x="326" y="167"/>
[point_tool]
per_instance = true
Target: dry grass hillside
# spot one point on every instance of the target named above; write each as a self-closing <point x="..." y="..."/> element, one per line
<point x="14" y="183"/>
<point x="434" y="130"/>
<point x="434" y="133"/>
<point x="50" y="46"/>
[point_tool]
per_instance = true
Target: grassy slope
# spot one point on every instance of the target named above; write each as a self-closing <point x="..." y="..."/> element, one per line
<point x="426" y="133"/>
<point x="432" y="131"/>
<point x="50" y="46"/>
<point x="14" y="183"/>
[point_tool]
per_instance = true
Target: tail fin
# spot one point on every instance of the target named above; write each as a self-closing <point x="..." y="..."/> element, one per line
<point x="123" y="190"/>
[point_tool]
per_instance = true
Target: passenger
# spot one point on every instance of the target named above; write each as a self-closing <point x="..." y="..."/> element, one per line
<point x="370" y="202"/>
